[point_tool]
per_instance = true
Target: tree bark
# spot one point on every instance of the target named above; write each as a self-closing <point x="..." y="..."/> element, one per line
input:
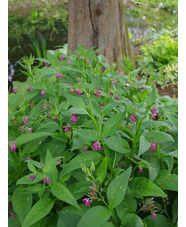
<point x="100" y="23"/>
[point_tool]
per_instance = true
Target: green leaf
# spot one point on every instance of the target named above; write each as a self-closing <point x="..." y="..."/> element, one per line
<point x="175" y="210"/>
<point x="117" y="143"/>
<point x="107" y="224"/>
<point x="76" y="101"/>
<point x="132" y="220"/>
<point x="67" y="219"/>
<point x="88" y="134"/>
<point x="102" y="170"/>
<point x="38" y="211"/>
<point x="117" y="188"/>
<point x="78" y="161"/>
<point x="77" y="110"/>
<point x="79" y="189"/>
<point x="158" y="136"/>
<point x="158" y="221"/>
<point x="128" y="205"/>
<point x="22" y="202"/>
<point x="15" y="100"/>
<point x="151" y="99"/>
<point x="144" y="145"/>
<point x="25" y="180"/>
<point x="63" y="193"/>
<point x="173" y="154"/>
<point x="114" y="121"/>
<point x="25" y="138"/>
<point x="167" y="181"/>
<point x="144" y="187"/>
<point x="95" y="216"/>
<point x="173" y="120"/>
<point x="60" y="136"/>
<point x="153" y="166"/>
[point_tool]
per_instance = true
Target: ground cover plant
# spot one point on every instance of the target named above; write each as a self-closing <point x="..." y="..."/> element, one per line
<point x="159" y="60"/>
<point x="90" y="144"/>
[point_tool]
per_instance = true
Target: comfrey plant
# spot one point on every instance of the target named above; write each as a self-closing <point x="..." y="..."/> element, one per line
<point x="90" y="146"/>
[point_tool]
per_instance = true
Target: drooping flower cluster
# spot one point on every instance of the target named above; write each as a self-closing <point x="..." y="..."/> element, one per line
<point x="26" y="120"/>
<point x="87" y="202"/>
<point x="149" y="205"/>
<point x="46" y="64"/>
<point x="110" y="92"/>
<point x="115" y="82"/>
<point x="46" y="179"/>
<point x="73" y="119"/>
<point x="153" y="146"/>
<point x="61" y="58"/>
<point x="154" y="113"/>
<point x="98" y="92"/>
<point x="133" y="117"/>
<point x="32" y="177"/>
<point x="12" y="146"/>
<point x="14" y="89"/>
<point x="58" y="75"/>
<point x="60" y="161"/>
<point x="97" y="145"/>
<point x="117" y="97"/>
<point x="28" y="87"/>
<point x="66" y="129"/>
<point x="79" y="92"/>
<point x="140" y="168"/>
<point x="43" y="92"/>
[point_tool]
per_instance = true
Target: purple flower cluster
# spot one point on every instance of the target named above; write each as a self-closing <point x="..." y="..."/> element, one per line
<point x="117" y="97"/>
<point x="12" y="146"/>
<point x="46" y="180"/>
<point x="97" y="145"/>
<point x="115" y="82"/>
<point x="87" y="202"/>
<point x="14" y="89"/>
<point x="58" y="75"/>
<point x="26" y="120"/>
<point x="60" y="161"/>
<point x="43" y="92"/>
<point x="73" y="119"/>
<point x="133" y="118"/>
<point x="46" y="64"/>
<point x="154" y="113"/>
<point x="79" y="92"/>
<point x="61" y="58"/>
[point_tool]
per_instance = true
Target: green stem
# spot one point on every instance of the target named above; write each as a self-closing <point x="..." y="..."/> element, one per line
<point x="106" y="152"/>
<point x="115" y="217"/>
<point x="57" y="88"/>
<point x="92" y="114"/>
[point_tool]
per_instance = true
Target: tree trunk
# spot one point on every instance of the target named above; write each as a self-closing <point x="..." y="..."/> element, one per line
<point x="100" y="23"/>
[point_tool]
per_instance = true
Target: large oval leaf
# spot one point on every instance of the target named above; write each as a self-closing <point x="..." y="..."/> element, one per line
<point x="132" y="220"/>
<point x="144" y="187"/>
<point x="117" y="188"/>
<point x="63" y="193"/>
<point x="22" y="202"/>
<point x="95" y="216"/>
<point x="25" y="138"/>
<point x="114" y="121"/>
<point x="38" y="211"/>
<point x="167" y="181"/>
<point x="158" y="136"/>
<point x="84" y="158"/>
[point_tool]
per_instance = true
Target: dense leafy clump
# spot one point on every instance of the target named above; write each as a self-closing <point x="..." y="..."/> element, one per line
<point x="159" y="60"/>
<point x="90" y="145"/>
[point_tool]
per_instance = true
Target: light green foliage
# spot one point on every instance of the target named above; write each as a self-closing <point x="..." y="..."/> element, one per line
<point x="160" y="60"/>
